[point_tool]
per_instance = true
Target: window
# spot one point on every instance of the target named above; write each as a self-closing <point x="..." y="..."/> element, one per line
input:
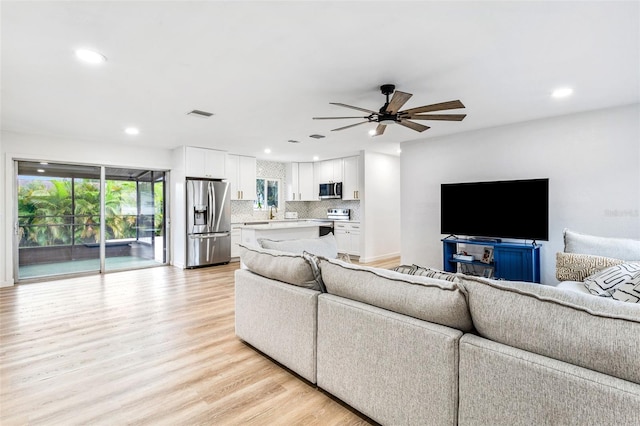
<point x="267" y="194"/>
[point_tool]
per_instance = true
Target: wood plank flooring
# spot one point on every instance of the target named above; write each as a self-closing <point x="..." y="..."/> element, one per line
<point x="147" y="347"/>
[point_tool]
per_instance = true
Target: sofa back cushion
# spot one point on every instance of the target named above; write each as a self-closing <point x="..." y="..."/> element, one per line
<point x="295" y="269"/>
<point x="325" y="246"/>
<point x="595" y="333"/>
<point x="429" y="299"/>
<point x="617" y="248"/>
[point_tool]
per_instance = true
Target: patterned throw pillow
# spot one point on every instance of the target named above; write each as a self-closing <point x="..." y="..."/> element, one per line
<point x="577" y="267"/>
<point x="405" y="269"/>
<point x="435" y="273"/>
<point x="606" y="282"/>
<point x="629" y="291"/>
<point x="426" y="272"/>
<point x="315" y="269"/>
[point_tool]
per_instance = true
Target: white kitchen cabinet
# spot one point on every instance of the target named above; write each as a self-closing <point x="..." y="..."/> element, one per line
<point x="347" y="237"/>
<point x="300" y="184"/>
<point x="205" y="163"/>
<point x="241" y="174"/>
<point x="328" y="171"/>
<point x="351" y="179"/>
<point x="235" y="240"/>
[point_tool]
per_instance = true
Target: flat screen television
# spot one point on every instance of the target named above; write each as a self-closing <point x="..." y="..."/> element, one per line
<point x="517" y="209"/>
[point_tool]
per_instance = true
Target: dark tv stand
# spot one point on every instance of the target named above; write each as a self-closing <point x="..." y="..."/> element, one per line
<point x="511" y="261"/>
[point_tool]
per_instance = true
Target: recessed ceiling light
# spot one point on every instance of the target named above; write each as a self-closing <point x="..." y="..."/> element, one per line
<point x="316" y="158"/>
<point x="40" y="170"/>
<point x="372" y="132"/>
<point x="44" y="163"/>
<point x="131" y="131"/>
<point x="267" y="151"/>
<point x="562" y="92"/>
<point x="90" y="57"/>
<point x="399" y="150"/>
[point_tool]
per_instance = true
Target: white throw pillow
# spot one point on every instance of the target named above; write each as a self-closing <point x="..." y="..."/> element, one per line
<point x="604" y="283"/>
<point x="325" y="246"/>
<point x="629" y="291"/>
<point x="617" y="248"/>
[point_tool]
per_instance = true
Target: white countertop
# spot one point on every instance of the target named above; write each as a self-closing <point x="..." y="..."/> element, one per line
<point x="284" y="224"/>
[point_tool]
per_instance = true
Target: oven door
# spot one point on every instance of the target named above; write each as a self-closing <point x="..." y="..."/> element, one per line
<point x="326" y="230"/>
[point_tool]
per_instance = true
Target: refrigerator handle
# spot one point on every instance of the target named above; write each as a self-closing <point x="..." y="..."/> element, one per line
<point x="212" y="205"/>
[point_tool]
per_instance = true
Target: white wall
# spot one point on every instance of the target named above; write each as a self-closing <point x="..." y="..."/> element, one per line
<point x="592" y="161"/>
<point x="35" y="147"/>
<point x="380" y="207"/>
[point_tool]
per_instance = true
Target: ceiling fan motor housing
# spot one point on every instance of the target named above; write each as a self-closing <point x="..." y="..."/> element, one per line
<point x="387" y="89"/>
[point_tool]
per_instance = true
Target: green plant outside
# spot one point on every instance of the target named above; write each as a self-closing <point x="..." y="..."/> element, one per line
<point x="64" y="211"/>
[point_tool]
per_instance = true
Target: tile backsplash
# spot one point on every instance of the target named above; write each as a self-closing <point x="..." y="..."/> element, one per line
<point x="242" y="210"/>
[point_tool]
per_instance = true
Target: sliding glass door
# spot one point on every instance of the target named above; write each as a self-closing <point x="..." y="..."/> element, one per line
<point x="60" y="228"/>
<point x="135" y="228"/>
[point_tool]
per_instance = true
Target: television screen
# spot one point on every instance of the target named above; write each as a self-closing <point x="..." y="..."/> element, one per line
<point x="517" y="209"/>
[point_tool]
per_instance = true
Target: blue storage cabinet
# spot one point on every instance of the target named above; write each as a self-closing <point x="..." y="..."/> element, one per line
<point x="511" y="261"/>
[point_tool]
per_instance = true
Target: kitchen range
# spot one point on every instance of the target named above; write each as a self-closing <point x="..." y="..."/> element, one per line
<point x="333" y="215"/>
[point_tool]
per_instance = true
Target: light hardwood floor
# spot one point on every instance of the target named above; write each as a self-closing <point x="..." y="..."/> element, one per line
<point x="147" y="347"/>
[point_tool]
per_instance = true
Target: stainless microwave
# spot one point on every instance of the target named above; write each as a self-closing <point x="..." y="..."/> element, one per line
<point x="330" y="190"/>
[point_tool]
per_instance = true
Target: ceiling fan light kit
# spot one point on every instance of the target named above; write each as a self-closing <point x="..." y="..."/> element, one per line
<point x="390" y="112"/>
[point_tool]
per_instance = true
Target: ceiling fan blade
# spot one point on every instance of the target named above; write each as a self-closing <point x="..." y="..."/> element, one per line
<point x="445" y="117"/>
<point x="334" y="118"/>
<point x="351" y="125"/>
<point x="398" y="99"/>
<point x="380" y="129"/>
<point x="353" y="107"/>
<point x="435" y="107"/>
<point x="414" y="126"/>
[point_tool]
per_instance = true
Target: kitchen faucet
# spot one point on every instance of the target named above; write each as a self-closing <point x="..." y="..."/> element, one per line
<point x="271" y="215"/>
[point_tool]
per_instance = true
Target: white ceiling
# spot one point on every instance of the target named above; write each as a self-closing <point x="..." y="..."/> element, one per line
<point x="266" y="68"/>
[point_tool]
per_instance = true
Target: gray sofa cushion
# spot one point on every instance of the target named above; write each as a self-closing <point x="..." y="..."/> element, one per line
<point x="438" y="301"/>
<point x="278" y="319"/>
<point x="325" y="246"/>
<point x="502" y="385"/>
<point x="395" y="369"/>
<point x="595" y="333"/>
<point x="617" y="248"/>
<point x="282" y="266"/>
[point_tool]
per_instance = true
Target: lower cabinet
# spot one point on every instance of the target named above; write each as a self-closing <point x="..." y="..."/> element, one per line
<point x="347" y="237"/>
<point x="235" y="241"/>
<point x="506" y="261"/>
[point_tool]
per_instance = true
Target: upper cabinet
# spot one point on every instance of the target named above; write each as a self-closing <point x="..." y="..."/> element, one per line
<point x="300" y="182"/>
<point x="351" y="180"/>
<point x="205" y="163"/>
<point x="328" y="171"/>
<point x="241" y="173"/>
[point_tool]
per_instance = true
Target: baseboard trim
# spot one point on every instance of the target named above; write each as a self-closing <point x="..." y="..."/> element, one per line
<point x="6" y="284"/>
<point x="379" y="257"/>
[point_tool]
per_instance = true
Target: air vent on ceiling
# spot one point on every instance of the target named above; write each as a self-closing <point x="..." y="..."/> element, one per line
<point x="201" y="114"/>
<point x="316" y="136"/>
<point x="293" y="141"/>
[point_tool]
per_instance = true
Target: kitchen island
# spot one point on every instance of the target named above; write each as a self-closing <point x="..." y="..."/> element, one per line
<point x="280" y="230"/>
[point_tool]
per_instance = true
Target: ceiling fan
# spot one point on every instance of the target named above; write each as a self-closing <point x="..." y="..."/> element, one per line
<point x="390" y="114"/>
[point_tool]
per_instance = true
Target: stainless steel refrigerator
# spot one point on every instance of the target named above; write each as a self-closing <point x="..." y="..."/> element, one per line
<point x="208" y="222"/>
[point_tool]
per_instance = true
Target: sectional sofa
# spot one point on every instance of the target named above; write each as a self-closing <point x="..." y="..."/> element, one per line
<point x="444" y="349"/>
